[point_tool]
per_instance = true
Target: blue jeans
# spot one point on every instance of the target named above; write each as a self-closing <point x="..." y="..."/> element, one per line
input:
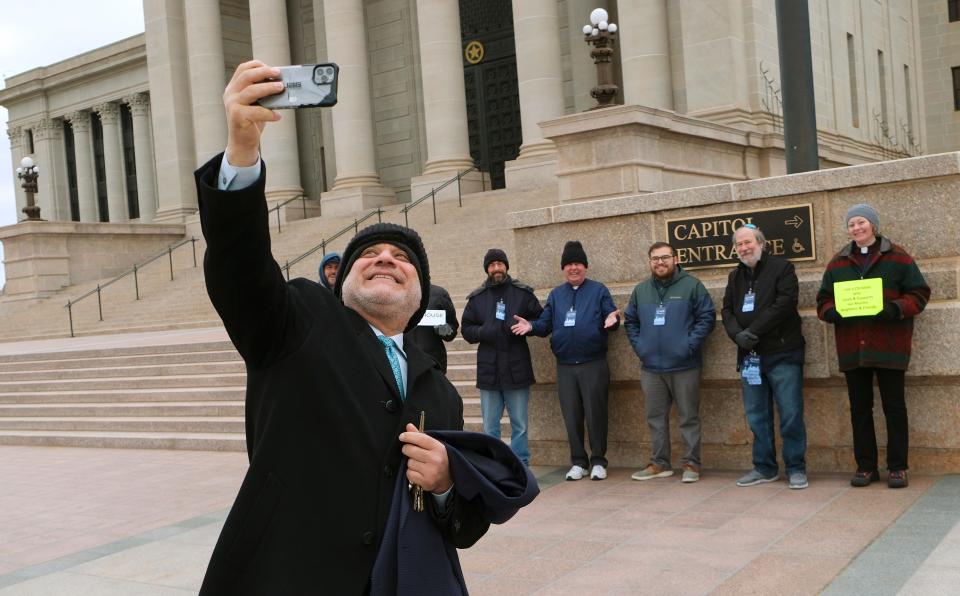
<point x="491" y="407"/>
<point x="783" y="385"/>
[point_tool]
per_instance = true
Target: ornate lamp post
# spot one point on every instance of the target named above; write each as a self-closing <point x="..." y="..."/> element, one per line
<point x="28" y="172"/>
<point x="601" y="35"/>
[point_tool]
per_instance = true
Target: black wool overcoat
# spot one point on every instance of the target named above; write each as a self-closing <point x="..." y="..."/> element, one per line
<point x="323" y="415"/>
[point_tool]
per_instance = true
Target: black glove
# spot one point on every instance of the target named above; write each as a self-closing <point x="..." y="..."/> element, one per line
<point x="442" y="330"/>
<point x="832" y="316"/>
<point x="890" y="312"/>
<point x="746" y="340"/>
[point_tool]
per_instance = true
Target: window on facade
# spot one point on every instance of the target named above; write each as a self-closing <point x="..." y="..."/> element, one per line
<point x="882" y="77"/>
<point x="71" y="159"/>
<point x="129" y="161"/>
<point x="99" y="166"/>
<point x="908" y="92"/>
<point x="852" y="75"/>
<point x="953" y="10"/>
<point x="956" y="87"/>
<point x="29" y="142"/>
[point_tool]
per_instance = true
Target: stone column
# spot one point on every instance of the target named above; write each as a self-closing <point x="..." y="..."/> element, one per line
<point x="52" y="194"/>
<point x="207" y="78"/>
<point x="644" y="38"/>
<point x="143" y="154"/>
<point x="540" y="78"/>
<point x="444" y="100"/>
<point x="83" y="157"/>
<point x="171" y="108"/>
<point x="357" y="185"/>
<point x="113" y="161"/>
<point x="15" y="134"/>
<point x="278" y="146"/>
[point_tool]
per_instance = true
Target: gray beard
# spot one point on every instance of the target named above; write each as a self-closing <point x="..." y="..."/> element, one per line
<point x="383" y="305"/>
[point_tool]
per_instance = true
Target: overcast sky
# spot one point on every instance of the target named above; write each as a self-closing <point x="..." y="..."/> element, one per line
<point x="56" y="30"/>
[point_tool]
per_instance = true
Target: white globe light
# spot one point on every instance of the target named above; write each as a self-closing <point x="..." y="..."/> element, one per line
<point x="19" y="170"/>
<point x="612" y="27"/>
<point x="596" y="31"/>
<point x="587" y="29"/>
<point x="26" y="162"/>
<point x="602" y="25"/>
<point x="598" y="15"/>
<point x="36" y="169"/>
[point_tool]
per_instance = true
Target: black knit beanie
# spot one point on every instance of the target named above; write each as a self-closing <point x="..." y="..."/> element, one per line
<point x="573" y="253"/>
<point x="403" y="238"/>
<point x="495" y="254"/>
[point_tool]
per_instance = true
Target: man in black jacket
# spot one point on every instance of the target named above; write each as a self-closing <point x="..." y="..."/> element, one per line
<point x="430" y="338"/>
<point x="331" y="388"/>
<point x="504" y="371"/>
<point x="760" y="315"/>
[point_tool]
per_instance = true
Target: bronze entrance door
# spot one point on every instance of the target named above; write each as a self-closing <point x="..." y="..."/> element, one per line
<point x="490" y="77"/>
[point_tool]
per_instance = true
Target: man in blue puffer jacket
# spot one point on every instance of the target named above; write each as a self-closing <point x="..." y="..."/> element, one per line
<point x="668" y="318"/>
<point x="579" y="313"/>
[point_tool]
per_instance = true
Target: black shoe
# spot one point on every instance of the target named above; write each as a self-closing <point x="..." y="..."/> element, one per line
<point x="862" y="478"/>
<point x="897" y="479"/>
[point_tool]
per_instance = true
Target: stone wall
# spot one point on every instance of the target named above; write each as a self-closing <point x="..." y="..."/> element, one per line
<point x="917" y="200"/>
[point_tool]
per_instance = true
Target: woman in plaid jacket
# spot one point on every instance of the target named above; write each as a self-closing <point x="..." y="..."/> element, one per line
<point x="878" y="344"/>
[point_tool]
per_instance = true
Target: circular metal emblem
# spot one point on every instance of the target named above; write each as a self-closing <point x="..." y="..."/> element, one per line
<point x="474" y="52"/>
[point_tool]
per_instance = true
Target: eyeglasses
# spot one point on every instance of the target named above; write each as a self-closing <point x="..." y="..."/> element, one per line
<point x="663" y="259"/>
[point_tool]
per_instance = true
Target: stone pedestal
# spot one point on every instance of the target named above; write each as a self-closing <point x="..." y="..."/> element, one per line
<point x="918" y="205"/>
<point x="42" y="257"/>
<point x="356" y="200"/>
<point x="530" y="172"/>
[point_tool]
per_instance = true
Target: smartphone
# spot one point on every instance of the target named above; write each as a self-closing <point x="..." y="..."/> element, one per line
<point x="305" y="86"/>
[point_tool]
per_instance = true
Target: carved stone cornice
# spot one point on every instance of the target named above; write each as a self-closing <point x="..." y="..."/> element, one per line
<point x="79" y="120"/>
<point x="109" y="112"/>
<point x="139" y="104"/>
<point x="15" y="134"/>
<point x="47" y="129"/>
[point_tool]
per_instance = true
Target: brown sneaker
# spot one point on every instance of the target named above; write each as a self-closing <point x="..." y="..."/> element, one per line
<point x="690" y="473"/>
<point x="898" y="479"/>
<point x="652" y="471"/>
<point x="863" y="478"/>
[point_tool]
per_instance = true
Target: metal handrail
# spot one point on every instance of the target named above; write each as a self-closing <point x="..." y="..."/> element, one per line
<point x="355" y="226"/>
<point x="303" y="199"/>
<point x="432" y="195"/>
<point x="136" y="281"/>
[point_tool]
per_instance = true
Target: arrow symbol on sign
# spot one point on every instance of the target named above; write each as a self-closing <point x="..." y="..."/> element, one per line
<point x="796" y="221"/>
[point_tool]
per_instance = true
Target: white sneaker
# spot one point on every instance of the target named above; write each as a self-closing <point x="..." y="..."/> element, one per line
<point x="598" y="472"/>
<point x="576" y="473"/>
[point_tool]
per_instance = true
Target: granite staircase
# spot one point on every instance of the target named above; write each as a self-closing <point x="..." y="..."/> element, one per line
<point x="190" y="395"/>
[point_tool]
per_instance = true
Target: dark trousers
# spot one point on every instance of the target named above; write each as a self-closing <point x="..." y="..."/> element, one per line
<point x="583" y="394"/>
<point x="860" y="388"/>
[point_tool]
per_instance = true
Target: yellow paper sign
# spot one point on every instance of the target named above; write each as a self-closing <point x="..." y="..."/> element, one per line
<point x="859" y="298"/>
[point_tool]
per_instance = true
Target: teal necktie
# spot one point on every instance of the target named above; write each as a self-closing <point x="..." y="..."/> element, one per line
<point x="390" y="347"/>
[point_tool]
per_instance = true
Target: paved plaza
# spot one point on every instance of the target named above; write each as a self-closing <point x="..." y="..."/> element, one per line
<point x="143" y="522"/>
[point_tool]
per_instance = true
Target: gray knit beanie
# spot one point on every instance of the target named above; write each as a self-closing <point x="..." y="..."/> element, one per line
<point x="865" y="211"/>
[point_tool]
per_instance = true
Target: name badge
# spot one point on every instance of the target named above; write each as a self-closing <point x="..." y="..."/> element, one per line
<point x="660" y="317"/>
<point x="501" y="311"/>
<point x="750" y="370"/>
<point x="749" y="299"/>
<point x="571" y="318"/>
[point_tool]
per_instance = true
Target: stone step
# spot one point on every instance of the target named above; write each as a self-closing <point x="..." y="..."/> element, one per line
<point x="171" y="424"/>
<point x="163" y="370"/>
<point x="466" y="388"/>
<point x="126" y="440"/>
<point x="461" y="372"/>
<point x="67" y="363"/>
<point x="107" y="409"/>
<point x="214" y="346"/>
<point x="126" y="383"/>
<point x="461" y="357"/>
<point x="168" y="394"/>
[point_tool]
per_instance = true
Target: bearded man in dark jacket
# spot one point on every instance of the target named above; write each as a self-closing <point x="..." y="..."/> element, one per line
<point x="504" y="370"/>
<point x="332" y="390"/>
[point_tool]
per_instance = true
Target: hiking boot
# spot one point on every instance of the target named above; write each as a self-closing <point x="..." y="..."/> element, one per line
<point x="598" y="472"/>
<point x="754" y="477"/>
<point x="576" y="473"/>
<point x="897" y="479"/>
<point x="798" y="480"/>
<point x="690" y="474"/>
<point x="652" y="471"/>
<point x="863" y="478"/>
